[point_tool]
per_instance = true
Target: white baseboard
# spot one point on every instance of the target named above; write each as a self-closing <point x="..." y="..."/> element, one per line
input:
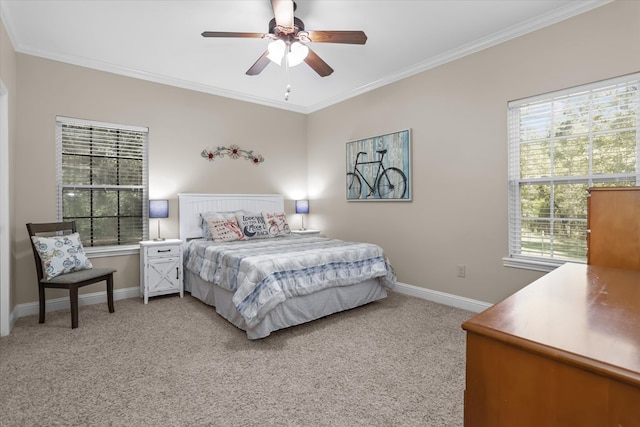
<point x="31" y="308"/>
<point x="442" y="297"/>
<point x="13" y="316"/>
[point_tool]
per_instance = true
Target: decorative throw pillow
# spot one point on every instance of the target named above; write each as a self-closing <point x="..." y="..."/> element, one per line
<point x="252" y="225"/>
<point x="61" y="254"/>
<point x="225" y="230"/>
<point x="276" y="223"/>
<point x="205" y="216"/>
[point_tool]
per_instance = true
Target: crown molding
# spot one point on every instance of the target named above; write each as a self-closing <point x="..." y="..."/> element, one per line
<point x="157" y="78"/>
<point x="560" y="14"/>
<point x="570" y="10"/>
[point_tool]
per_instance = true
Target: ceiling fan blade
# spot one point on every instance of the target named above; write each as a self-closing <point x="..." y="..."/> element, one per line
<point x="283" y="12"/>
<point x="350" y="37"/>
<point x="318" y="65"/>
<point x="232" y="34"/>
<point x="259" y="65"/>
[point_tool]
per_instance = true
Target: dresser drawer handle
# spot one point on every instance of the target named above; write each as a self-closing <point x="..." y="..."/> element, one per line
<point x="164" y="250"/>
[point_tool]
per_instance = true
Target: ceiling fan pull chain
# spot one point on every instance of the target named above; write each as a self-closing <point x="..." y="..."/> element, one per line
<point x="286" y="73"/>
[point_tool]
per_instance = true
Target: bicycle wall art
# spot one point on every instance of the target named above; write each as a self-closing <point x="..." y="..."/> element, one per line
<point x="379" y="168"/>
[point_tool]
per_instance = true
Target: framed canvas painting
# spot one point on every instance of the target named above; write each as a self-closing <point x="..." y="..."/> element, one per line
<point x="379" y="168"/>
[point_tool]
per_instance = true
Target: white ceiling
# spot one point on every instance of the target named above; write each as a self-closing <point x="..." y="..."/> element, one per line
<point x="160" y="41"/>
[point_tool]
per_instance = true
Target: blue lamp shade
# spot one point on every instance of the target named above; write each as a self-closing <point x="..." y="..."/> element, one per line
<point x="158" y="209"/>
<point x="302" y="206"/>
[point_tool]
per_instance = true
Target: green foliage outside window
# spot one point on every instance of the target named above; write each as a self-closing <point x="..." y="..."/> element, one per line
<point x="559" y="147"/>
<point x="103" y="182"/>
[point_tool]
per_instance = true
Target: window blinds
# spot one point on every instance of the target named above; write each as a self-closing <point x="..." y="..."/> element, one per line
<point x="102" y="180"/>
<point x="560" y="144"/>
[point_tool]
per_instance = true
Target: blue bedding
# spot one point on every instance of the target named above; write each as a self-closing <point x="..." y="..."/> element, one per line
<point x="262" y="273"/>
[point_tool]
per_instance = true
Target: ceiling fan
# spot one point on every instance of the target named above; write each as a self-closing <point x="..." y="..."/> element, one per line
<point x="289" y="37"/>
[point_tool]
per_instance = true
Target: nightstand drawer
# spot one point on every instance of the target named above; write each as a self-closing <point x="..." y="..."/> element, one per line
<point x="163" y="251"/>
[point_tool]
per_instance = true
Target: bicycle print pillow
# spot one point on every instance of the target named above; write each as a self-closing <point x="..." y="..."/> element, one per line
<point x="276" y="223"/>
<point x="61" y="254"/>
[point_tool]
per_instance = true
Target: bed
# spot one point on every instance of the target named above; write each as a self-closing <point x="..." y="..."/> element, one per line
<point x="265" y="284"/>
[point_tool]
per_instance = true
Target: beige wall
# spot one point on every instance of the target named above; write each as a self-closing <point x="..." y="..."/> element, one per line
<point x="457" y="113"/>
<point x="181" y="124"/>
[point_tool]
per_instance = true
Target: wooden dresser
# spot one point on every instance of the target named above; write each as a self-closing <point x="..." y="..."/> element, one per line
<point x="564" y="351"/>
<point x="613" y="221"/>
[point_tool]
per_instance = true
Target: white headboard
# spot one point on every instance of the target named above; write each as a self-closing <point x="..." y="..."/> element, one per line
<point x="190" y="206"/>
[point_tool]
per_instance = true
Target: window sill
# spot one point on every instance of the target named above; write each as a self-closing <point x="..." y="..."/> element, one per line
<point x="107" y="251"/>
<point x="532" y="264"/>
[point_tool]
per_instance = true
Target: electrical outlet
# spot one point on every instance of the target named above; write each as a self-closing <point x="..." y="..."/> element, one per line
<point x="461" y="270"/>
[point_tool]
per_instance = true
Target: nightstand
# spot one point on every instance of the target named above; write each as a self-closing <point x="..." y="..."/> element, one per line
<point x="306" y="232"/>
<point x="160" y="268"/>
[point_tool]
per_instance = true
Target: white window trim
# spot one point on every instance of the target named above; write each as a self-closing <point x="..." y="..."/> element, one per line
<point x="116" y="250"/>
<point x="541" y="264"/>
<point x="532" y="264"/>
<point x="108" y="251"/>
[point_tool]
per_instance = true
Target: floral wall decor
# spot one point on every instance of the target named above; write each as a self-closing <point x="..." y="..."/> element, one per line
<point x="234" y="152"/>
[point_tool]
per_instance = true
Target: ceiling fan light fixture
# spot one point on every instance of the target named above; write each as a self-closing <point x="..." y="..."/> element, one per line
<point x="276" y="51"/>
<point x="288" y="36"/>
<point x="297" y="53"/>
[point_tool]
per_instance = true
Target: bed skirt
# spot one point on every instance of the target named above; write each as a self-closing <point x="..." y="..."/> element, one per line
<point x="293" y="311"/>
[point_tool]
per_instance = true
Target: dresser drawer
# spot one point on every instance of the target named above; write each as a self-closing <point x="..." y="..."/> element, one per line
<point x="163" y="251"/>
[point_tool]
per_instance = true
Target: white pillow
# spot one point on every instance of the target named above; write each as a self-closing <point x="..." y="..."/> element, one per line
<point x="205" y="216"/>
<point x="61" y="254"/>
<point x="225" y="230"/>
<point x="252" y="225"/>
<point x="276" y="223"/>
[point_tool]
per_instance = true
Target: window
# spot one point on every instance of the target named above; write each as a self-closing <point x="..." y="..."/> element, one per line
<point x="102" y="181"/>
<point x="560" y="144"/>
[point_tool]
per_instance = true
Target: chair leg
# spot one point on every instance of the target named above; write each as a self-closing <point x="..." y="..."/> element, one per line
<point x="42" y="302"/>
<point x="110" y="293"/>
<point x="73" y="296"/>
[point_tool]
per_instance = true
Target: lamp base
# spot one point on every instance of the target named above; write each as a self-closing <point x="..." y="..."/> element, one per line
<point x="159" y="239"/>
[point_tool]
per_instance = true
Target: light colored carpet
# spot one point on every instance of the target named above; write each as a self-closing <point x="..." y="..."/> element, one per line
<point x="395" y="362"/>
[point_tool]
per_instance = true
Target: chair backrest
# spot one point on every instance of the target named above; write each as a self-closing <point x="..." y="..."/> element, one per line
<point x="50" y="229"/>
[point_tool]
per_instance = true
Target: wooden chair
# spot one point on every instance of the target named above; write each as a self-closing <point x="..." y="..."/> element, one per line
<point x="71" y="281"/>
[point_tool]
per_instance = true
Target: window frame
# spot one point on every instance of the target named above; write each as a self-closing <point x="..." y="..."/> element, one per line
<point x="527" y="261"/>
<point x="107" y="250"/>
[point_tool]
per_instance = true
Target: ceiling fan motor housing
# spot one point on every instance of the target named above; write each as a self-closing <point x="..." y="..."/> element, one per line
<point x="290" y="36"/>
<point x="298" y="26"/>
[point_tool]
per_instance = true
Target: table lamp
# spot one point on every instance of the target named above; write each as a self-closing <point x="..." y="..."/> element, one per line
<point x="302" y="207"/>
<point x="158" y="209"/>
